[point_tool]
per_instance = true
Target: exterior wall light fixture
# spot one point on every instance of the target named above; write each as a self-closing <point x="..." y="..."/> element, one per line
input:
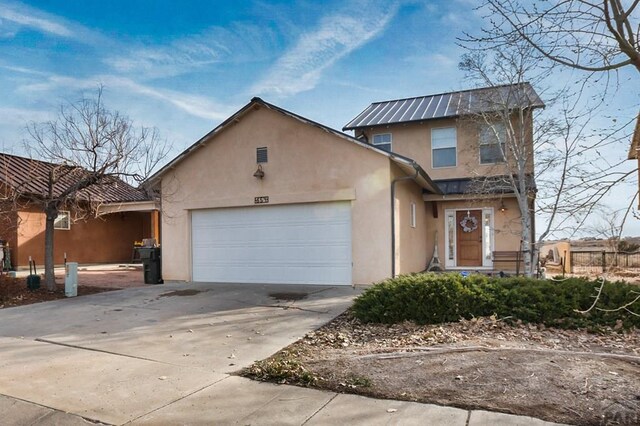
<point x="259" y="173"/>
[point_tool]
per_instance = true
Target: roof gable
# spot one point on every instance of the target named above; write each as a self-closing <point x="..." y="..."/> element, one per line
<point x="405" y="163"/>
<point x="446" y="105"/>
<point x="30" y="177"/>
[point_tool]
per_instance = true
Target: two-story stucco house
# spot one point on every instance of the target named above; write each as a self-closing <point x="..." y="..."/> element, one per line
<point x="269" y="196"/>
<point x="455" y="137"/>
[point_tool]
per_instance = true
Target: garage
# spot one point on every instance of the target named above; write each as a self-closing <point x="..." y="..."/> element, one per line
<point x="280" y="244"/>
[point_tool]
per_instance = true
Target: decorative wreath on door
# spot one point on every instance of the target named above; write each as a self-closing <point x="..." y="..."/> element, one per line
<point x="469" y="223"/>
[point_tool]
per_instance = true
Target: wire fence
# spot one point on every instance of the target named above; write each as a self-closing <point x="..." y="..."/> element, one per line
<point x="602" y="261"/>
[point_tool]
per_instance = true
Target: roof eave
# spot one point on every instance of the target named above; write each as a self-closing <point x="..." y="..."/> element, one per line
<point x="258" y="101"/>
<point x="410" y="166"/>
<point x="200" y="142"/>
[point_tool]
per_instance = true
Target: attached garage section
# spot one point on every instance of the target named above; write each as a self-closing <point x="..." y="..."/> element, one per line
<point x="280" y="244"/>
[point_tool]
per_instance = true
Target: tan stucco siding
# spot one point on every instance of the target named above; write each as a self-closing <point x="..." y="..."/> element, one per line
<point x="106" y="239"/>
<point x="305" y="164"/>
<point x="413" y="140"/>
<point x="411" y="242"/>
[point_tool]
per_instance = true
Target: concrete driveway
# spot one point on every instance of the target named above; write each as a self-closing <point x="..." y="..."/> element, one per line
<point x="161" y="355"/>
<point x="119" y="356"/>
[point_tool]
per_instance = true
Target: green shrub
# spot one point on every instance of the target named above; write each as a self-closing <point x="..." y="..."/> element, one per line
<point x="435" y="298"/>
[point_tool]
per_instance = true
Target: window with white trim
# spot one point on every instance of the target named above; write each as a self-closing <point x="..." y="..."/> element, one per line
<point x="62" y="221"/>
<point x="383" y="141"/>
<point x="443" y="147"/>
<point x="492" y="143"/>
<point x="412" y="218"/>
<point x="451" y="238"/>
<point x="486" y="236"/>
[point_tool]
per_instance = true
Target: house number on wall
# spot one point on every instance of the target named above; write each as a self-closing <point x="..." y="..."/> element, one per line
<point x="261" y="200"/>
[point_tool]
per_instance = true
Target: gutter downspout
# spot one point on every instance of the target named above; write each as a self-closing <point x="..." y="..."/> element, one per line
<point x="393" y="217"/>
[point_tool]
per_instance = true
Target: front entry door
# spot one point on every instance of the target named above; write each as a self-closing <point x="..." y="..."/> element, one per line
<point x="469" y="238"/>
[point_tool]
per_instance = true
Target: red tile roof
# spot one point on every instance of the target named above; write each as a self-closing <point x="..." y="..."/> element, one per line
<point x="30" y="177"/>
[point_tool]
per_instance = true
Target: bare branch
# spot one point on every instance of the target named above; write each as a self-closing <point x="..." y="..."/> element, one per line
<point x="88" y="149"/>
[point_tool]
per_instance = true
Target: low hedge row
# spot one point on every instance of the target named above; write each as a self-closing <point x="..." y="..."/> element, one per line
<point x="435" y="298"/>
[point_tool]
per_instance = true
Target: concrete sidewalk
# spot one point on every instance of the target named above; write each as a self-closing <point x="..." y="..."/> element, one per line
<point x="165" y="355"/>
<point x="238" y="401"/>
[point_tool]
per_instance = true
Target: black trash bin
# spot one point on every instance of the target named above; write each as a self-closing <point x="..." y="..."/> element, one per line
<point x="151" y="264"/>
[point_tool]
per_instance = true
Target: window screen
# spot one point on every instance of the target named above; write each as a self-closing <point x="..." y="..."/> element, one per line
<point x="63" y="221"/>
<point x="492" y="139"/>
<point x="383" y="141"/>
<point x="443" y="147"/>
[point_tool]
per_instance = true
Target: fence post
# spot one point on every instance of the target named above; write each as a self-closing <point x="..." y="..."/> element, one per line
<point x="604" y="261"/>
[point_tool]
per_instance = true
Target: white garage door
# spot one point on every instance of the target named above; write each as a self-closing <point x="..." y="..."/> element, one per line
<point x="284" y="244"/>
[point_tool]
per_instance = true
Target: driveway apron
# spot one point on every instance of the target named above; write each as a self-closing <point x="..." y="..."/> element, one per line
<point x="120" y="356"/>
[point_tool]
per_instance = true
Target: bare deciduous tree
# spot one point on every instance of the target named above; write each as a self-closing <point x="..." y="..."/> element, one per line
<point x="91" y="148"/>
<point x="569" y="176"/>
<point x="589" y="35"/>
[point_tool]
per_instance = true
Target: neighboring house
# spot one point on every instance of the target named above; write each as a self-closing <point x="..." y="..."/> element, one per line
<point x="124" y="215"/>
<point x="633" y="150"/>
<point x="269" y="196"/>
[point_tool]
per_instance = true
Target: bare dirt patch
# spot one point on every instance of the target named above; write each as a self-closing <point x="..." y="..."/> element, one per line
<point x="14" y="292"/>
<point x="567" y="376"/>
<point x="631" y="276"/>
<point x="108" y="276"/>
<point x="91" y="280"/>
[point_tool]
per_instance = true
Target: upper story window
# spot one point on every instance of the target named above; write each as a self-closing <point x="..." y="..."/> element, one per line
<point x="63" y="221"/>
<point x="443" y="147"/>
<point x="383" y="141"/>
<point x="492" y="138"/>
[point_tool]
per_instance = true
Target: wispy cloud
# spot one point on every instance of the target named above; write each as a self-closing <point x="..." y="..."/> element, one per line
<point x="436" y="60"/>
<point x="195" y="105"/>
<point x="301" y="67"/>
<point x="165" y="60"/>
<point x="241" y="42"/>
<point x="21" y="116"/>
<point x="23" y="70"/>
<point x="24" y="16"/>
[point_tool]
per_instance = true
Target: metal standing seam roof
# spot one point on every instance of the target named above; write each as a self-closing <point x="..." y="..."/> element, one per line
<point x="31" y="177"/>
<point x="445" y="105"/>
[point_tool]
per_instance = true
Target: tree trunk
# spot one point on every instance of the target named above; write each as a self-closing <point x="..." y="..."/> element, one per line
<point x="51" y="213"/>
<point x="525" y="235"/>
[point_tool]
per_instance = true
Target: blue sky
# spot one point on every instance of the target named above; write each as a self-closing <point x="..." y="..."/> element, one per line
<point x="183" y="67"/>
